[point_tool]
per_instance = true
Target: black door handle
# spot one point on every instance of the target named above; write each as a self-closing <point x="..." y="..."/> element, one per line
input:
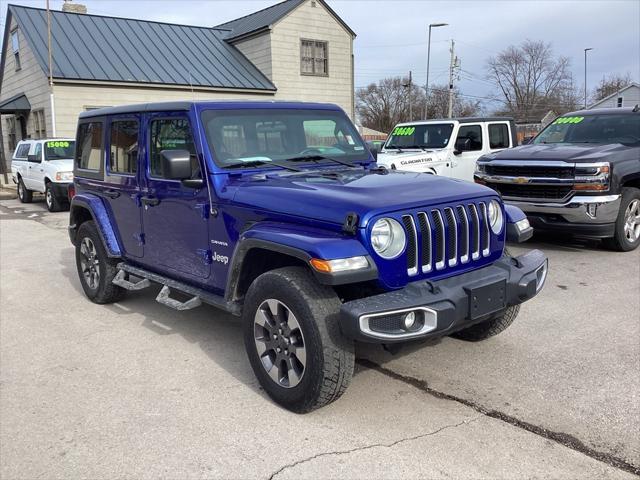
<point x="151" y="201"/>
<point x="112" y="193"/>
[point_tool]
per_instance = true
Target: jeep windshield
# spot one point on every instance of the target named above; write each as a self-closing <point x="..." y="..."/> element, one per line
<point x="600" y="129"/>
<point x="59" y="149"/>
<point x="434" y="135"/>
<point x="281" y="137"/>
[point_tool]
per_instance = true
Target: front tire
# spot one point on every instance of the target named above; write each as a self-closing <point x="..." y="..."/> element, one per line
<point x="293" y="339"/>
<point x="489" y="328"/>
<point x="24" y="194"/>
<point x="627" y="230"/>
<point x="95" y="269"/>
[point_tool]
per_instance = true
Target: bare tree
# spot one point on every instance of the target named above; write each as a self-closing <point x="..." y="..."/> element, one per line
<point x="438" y="103"/>
<point x="384" y="104"/>
<point x="531" y="80"/>
<point x="610" y="85"/>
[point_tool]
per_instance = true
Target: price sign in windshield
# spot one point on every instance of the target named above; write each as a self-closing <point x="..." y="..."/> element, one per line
<point x="403" y="131"/>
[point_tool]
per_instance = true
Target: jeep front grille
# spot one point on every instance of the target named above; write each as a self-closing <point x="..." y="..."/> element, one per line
<point x="446" y="237"/>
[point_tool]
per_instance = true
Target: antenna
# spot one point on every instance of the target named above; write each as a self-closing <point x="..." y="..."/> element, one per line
<point x="193" y="97"/>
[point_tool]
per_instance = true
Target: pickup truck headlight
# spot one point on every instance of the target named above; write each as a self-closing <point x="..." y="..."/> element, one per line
<point x="388" y="238"/>
<point x="64" y="176"/>
<point x="592" y="177"/>
<point x="496" y="218"/>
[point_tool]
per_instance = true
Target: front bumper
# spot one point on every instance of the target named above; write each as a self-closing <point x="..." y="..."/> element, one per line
<point x="447" y="305"/>
<point x="592" y="216"/>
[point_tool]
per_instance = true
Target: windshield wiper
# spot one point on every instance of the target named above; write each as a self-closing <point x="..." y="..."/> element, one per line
<point x="317" y="157"/>
<point x="257" y="163"/>
<point x="394" y="147"/>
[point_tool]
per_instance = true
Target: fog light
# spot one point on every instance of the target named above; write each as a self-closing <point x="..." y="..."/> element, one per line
<point x="523" y="225"/>
<point x="409" y="320"/>
<point x="592" y="210"/>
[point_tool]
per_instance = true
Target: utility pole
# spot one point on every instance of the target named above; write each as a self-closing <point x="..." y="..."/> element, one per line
<point x="409" y="86"/>
<point x="453" y="64"/>
<point x="585" y="76"/>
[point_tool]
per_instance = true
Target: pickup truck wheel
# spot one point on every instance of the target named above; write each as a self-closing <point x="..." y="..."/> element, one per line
<point x="53" y="203"/>
<point x="627" y="231"/>
<point x="293" y="339"/>
<point x="24" y="194"/>
<point x="95" y="269"/>
<point x="489" y="328"/>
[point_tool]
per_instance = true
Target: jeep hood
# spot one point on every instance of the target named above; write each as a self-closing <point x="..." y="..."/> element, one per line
<point x="330" y="195"/>
<point x="569" y="152"/>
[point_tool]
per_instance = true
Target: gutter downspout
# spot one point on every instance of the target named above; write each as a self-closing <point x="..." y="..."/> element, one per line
<point x="51" y="99"/>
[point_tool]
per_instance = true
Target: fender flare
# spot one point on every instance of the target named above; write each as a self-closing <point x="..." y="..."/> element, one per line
<point x="94" y="205"/>
<point x="302" y="244"/>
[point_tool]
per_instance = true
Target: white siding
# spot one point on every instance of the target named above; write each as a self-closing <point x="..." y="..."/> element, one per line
<point x="71" y="99"/>
<point x="313" y="23"/>
<point x="630" y="98"/>
<point x="30" y="80"/>
<point x="258" y="50"/>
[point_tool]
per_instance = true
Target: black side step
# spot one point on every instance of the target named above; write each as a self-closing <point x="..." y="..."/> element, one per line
<point x="207" y="297"/>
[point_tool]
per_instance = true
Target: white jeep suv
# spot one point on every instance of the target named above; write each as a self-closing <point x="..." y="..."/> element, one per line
<point x="44" y="166"/>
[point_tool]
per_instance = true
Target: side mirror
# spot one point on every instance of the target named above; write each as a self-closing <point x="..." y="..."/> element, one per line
<point x="373" y="149"/>
<point x="34" y="158"/>
<point x="176" y="164"/>
<point x="462" y="145"/>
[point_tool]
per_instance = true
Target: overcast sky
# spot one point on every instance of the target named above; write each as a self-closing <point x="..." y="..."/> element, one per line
<point x="392" y="34"/>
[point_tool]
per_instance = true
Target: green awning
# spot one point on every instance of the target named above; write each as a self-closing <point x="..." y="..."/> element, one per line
<point x="15" y="104"/>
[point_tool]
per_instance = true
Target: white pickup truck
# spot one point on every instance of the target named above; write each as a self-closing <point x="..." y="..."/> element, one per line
<point x="44" y="166"/>
<point x="448" y="147"/>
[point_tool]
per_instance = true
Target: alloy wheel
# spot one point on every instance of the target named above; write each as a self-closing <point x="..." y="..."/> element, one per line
<point x="49" y="198"/>
<point x="89" y="263"/>
<point x="280" y="343"/>
<point x="632" y="221"/>
<point x="20" y="190"/>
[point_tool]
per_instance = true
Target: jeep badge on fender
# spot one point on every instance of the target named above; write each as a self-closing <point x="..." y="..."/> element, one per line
<point x="277" y="213"/>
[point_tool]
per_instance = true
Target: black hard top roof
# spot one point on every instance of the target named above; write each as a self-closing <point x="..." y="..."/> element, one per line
<point x="603" y="111"/>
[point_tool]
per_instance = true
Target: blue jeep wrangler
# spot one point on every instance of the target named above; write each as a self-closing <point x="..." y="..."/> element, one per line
<point x="277" y="213"/>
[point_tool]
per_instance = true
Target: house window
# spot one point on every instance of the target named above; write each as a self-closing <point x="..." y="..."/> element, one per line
<point x="39" y="124"/>
<point x="619" y="102"/>
<point x="313" y="58"/>
<point x="11" y="133"/>
<point x="15" y="46"/>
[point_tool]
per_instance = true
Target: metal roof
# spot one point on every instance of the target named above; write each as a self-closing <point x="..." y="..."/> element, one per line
<point x="17" y="103"/>
<point x="265" y="18"/>
<point x="99" y="48"/>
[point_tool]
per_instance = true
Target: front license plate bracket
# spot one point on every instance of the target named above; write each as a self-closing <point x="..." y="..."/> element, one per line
<point x="487" y="299"/>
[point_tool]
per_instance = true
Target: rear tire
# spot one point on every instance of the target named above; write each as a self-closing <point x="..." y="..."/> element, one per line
<point x="53" y="203"/>
<point x="627" y="230"/>
<point x="293" y="339"/>
<point x="489" y="328"/>
<point x="95" y="269"/>
<point x="24" y="194"/>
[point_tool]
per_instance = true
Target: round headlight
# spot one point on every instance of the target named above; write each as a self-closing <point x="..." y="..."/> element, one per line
<point x="496" y="218"/>
<point x="388" y="238"/>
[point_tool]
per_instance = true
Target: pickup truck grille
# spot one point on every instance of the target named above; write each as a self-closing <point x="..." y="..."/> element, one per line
<point x="543" y="192"/>
<point x="529" y="171"/>
<point x="445" y="237"/>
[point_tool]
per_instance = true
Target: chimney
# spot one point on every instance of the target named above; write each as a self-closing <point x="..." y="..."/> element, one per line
<point x="71" y="7"/>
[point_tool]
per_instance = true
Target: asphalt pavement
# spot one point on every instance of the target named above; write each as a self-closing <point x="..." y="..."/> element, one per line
<point x="136" y="390"/>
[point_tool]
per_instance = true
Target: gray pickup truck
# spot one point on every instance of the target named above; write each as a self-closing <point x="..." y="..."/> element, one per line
<point x="580" y="175"/>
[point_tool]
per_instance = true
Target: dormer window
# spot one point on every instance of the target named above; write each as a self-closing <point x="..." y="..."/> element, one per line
<point x="15" y="46"/>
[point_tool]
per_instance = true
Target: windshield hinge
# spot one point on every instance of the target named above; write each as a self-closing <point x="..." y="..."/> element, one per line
<point x="350" y="224"/>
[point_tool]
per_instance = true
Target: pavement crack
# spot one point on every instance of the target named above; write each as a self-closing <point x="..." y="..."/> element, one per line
<point x="370" y="446"/>
<point x="564" y="439"/>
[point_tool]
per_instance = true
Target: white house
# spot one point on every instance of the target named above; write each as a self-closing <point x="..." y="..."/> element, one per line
<point x="628" y="96"/>
<point x="293" y="50"/>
